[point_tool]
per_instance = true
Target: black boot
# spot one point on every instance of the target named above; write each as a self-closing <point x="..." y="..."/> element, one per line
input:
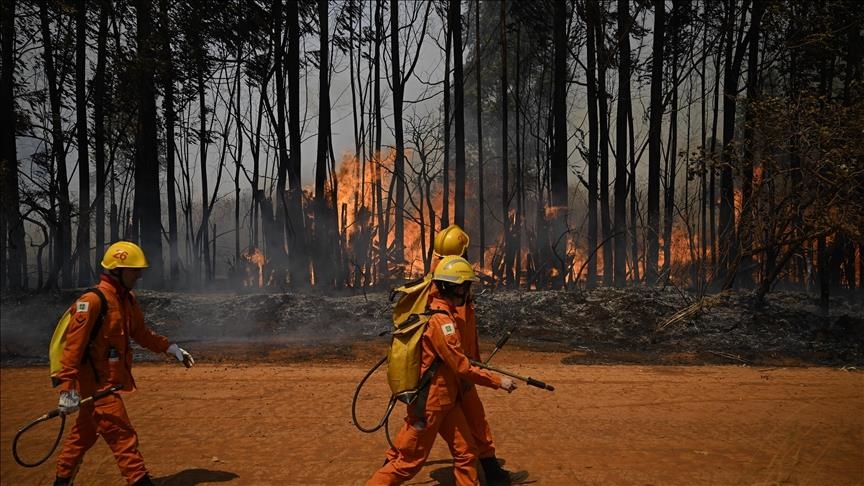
<point x="58" y="481"/>
<point x="145" y="481"/>
<point x="495" y="474"/>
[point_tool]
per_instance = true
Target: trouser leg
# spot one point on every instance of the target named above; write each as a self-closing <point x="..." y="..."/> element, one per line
<point x="412" y="446"/>
<point x="78" y="441"/>
<point x="114" y="425"/>
<point x="456" y="432"/>
<point x="475" y="415"/>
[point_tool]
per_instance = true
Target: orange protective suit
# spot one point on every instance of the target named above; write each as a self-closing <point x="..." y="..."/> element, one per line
<point x="107" y="362"/>
<point x="472" y="407"/>
<point x="442" y="413"/>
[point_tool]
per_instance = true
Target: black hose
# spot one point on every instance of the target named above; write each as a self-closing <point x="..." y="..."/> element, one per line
<point x="49" y="416"/>
<point x="384" y="420"/>
<point x="390" y="405"/>
<point x="39" y="420"/>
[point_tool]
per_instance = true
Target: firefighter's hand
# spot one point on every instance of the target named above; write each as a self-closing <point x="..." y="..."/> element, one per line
<point x="507" y="384"/>
<point x="70" y="401"/>
<point x="181" y="355"/>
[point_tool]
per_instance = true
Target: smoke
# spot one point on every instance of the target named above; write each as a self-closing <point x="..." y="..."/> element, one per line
<point x="205" y="320"/>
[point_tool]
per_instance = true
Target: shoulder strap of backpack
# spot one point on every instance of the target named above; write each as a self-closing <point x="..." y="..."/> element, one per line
<point x="103" y="310"/>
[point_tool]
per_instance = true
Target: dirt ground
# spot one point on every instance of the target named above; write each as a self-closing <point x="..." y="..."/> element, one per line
<point x="286" y="420"/>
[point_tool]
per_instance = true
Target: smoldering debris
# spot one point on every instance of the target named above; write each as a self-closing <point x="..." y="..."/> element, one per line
<point x="605" y="325"/>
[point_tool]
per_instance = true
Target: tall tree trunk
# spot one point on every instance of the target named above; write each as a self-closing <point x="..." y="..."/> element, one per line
<point x="62" y="222"/>
<point x="358" y="105"/>
<point x="85" y="270"/>
<point x="398" y="135"/>
<point x="518" y="219"/>
<point x="671" y="167"/>
<point x="278" y="256"/>
<point x="238" y="159"/>
<point x="591" y="24"/>
<point x="298" y="265"/>
<point x="203" y="143"/>
<point x="672" y="153"/>
<point x="634" y="203"/>
<point x="383" y="268"/>
<point x="509" y="251"/>
<point x="621" y="143"/>
<point x="147" y="194"/>
<point x="280" y="222"/>
<point x="448" y="109"/>
<point x="745" y="270"/>
<point x="712" y="176"/>
<point x="729" y="251"/>
<point x="13" y="253"/>
<point x="654" y="144"/>
<point x="558" y="165"/>
<point x="480" y="179"/>
<point x="296" y="223"/>
<point x="99" y="102"/>
<point x="705" y="167"/>
<point x="325" y="225"/>
<point x="170" y="117"/>
<point x="459" y="111"/>
<point x="603" y="117"/>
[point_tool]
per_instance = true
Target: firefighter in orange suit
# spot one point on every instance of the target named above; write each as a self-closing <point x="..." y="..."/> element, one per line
<point x="104" y="362"/>
<point x="452" y="240"/>
<point x="437" y="410"/>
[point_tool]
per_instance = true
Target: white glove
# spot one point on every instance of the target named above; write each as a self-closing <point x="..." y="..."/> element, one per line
<point x="181" y="355"/>
<point x="70" y="401"/>
<point x="507" y="384"/>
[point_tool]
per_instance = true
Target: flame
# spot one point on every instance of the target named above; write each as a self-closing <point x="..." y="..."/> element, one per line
<point x="256" y="257"/>
<point x="358" y="212"/>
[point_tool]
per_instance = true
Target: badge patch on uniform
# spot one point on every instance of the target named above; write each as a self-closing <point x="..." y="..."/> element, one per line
<point x="82" y="306"/>
<point x="448" y="328"/>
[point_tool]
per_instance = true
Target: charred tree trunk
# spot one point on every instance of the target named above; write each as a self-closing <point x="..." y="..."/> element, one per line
<point x="62" y="221"/>
<point x="281" y="203"/>
<point x="325" y="234"/>
<point x="99" y="102"/>
<point x="448" y="109"/>
<point x="654" y="144"/>
<point x="603" y="118"/>
<point x="459" y="112"/>
<point x="558" y="165"/>
<point x="672" y="153"/>
<point x="509" y="278"/>
<point x="13" y="253"/>
<point x="621" y="143"/>
<point x="729" y="244"/>
<point x="480" y="179"/>
<point x="298" y="268"/>
<point x="147" y="203"/>
<point x="591" y="22"/>
<point x="745" y="269"/>
<point x="85" y="270"/>
<point x="399" y="161"/>
<point x="379" y="180"/>
<point x="170" y="120"/>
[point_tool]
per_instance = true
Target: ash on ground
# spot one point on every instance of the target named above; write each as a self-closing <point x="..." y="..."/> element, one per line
<point x="604" y="325"/>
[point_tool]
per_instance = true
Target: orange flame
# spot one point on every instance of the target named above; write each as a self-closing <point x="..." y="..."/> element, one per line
<point x="256" y="257"/>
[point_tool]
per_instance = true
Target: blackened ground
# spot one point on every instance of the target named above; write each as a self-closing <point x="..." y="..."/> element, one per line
<point x="606" y="325"/>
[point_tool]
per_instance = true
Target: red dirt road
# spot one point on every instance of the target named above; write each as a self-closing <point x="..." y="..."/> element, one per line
<point x="254" y="423"/>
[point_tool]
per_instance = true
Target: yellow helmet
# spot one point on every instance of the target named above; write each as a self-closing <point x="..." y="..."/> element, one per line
<point x="124" y="254"/>
<point x="451" y="241"/>
<point x="455" y="270"/>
